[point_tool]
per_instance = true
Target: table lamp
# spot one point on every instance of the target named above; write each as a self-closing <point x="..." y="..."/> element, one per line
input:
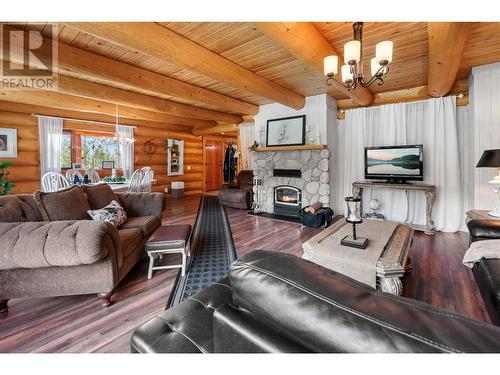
<point x="353" y="217"/>
<point x="491" y="159"/>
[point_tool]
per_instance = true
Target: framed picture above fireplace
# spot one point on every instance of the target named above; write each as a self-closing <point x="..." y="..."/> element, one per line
<point x="286" y="131"/>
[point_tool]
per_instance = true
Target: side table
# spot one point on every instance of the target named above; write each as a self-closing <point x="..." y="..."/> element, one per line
<point x="168" y="239"/>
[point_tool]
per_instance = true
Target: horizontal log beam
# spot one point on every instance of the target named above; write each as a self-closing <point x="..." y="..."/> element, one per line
<point x="21" y="109"/>
<point x="446" y="45"/>
<point x="80" y="63"/>
<point x="226" y="128"/>
<point x="87" y="89"/>
<point x="307" y="44"/>
<point x="69" y="102"/>
<point x="406" y="95"/>
<point x="162" y="43"/>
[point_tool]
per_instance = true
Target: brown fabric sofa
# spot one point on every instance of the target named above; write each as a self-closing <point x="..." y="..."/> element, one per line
<point x="55" y="258"/>
<point x="239" y="194"/>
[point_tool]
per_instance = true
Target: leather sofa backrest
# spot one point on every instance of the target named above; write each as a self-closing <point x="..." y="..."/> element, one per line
<point x="19" y="208"/>
<point x="328" y="312"/>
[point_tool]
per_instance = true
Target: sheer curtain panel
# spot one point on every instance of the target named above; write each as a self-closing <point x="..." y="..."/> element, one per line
<point x="247" y="137"/>
<point x="432" y="123"/>
<point x="50" y="131"/>
<point x="124" y="133"/>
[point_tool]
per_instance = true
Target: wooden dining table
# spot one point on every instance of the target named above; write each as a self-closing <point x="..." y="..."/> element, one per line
<point x="123" y="186"/>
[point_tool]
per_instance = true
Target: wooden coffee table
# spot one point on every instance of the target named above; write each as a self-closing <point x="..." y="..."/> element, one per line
<point x="390" y="267"/>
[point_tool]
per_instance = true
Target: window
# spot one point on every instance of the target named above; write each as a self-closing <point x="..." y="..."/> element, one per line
<point x="89" y="149"/>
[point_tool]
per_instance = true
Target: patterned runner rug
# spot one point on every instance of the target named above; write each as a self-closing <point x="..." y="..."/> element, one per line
<point x="212" y="252"/>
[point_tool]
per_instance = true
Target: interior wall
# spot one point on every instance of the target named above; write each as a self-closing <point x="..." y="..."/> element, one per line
<point x="485" y="99"/>
<point x="25" y="169"/>
<point x="316" y="118"/>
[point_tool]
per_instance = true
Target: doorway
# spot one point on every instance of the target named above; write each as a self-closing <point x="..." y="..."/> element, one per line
<point x="212" y="156"/>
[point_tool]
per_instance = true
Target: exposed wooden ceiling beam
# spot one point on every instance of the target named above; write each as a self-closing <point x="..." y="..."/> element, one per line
<point x="226" y="128"/>
<point x="407" y="95"/>
<point x="69" y="102"/>
<point x="87" y="65"/>
<point x="83" y="88"/>
<point x="446" y="45"/>
<point x="87" y="116"/>
<point x="307" y="44"/>
<point x="162" y="43"/>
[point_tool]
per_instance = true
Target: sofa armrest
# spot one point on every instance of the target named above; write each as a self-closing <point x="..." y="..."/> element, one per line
<point x="484" y="229"/>
<point x="56" y="243"/>
<point x="143" y="204"/>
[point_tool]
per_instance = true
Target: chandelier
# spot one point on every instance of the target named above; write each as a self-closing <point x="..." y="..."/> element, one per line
<point x="352" y="70"/>
<point x="119" y="139"/>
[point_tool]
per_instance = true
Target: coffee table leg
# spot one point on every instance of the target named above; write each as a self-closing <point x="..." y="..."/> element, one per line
<point x="391" y="285"/>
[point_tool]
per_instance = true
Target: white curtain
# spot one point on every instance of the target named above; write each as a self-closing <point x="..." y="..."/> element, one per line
<point x="50" y="131"/>
<point x="126" y="149"/>
<point x="247" y="137"/>
<point x="432" y="123"/>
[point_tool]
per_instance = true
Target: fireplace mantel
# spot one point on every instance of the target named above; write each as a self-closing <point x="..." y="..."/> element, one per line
<point x="291" y="148"/>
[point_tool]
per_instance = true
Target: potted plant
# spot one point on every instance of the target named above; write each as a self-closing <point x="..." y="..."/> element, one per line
<point x="5" y="185"/>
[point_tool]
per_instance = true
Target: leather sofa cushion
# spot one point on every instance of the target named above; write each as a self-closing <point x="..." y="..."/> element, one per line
<point x="488" y="271"/>
<point x="186" y="327"/>
<point x="328" y="312"/>
<point x="18" y="208"/>
<point x="129" y="240"/>
<point x="59" y="243"/>
<point x="147" y="224"/>
<point x="99" y="195"/>
<point x="66" y="204"/>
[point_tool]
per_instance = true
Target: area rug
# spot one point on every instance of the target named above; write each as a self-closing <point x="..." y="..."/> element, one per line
<point x="212" y="252"/>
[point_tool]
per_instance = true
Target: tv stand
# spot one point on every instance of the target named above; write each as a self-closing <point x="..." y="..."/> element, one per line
<point x="429" y="190"/>
<point x="399" y="182"/>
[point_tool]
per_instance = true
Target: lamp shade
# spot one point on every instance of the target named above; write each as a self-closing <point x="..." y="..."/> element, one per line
<point x="346" y="73"/>
<point x="330" y="65"/>
<point x="383" y="52"/>
<point x="490" y="159"/>
<point x="352" y="52"/>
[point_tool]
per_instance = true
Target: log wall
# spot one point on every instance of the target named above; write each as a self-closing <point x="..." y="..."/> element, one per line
<point x="25" y="169"/>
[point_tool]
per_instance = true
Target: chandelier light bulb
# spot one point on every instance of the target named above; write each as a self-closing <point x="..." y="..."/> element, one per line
<point x="352" y="52"/>
<point x="383" y="52"/>
<point x="330" y="65"/>
<point x="346" y="73"/>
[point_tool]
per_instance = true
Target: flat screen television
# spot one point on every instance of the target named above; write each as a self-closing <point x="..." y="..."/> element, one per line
<point x="398" y="164"/>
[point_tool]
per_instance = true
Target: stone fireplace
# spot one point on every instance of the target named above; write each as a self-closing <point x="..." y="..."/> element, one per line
<point x="292" y="180"/>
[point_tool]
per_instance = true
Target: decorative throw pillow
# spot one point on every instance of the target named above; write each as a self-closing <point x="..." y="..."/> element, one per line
<point x="113" y="213"/>
<point x="99" y="195"/>
<point x="65" y="204"/>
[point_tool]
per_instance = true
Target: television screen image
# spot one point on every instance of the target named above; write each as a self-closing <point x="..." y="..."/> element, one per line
<point x="403" y="162"/>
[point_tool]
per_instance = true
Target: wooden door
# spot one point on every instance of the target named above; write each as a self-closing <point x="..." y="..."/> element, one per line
<point x="213" y="164"/>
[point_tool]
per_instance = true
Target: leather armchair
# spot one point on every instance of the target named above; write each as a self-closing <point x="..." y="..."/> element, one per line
<point x="275" y="302"/>
<point x="487" y="271"/>
<point x="239" y="194"/>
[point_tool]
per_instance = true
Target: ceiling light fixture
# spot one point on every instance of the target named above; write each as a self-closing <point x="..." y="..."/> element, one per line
<point x="352" y="70"/>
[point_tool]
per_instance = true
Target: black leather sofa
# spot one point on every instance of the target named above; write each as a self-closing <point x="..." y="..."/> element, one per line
<point x="274" y="302"/>
<point x="487" y="271"/>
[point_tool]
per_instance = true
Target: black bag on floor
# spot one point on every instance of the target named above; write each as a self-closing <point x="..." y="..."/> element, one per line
<point x="322" y="217"/>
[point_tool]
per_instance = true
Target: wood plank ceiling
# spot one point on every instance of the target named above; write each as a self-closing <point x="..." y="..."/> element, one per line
<point x="245" y="45"/>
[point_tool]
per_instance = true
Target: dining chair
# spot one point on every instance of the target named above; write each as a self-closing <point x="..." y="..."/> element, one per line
<point x="135" y="185"/>
<point x="53" y="181"/>
<point x="71" y="173"/>
<point x="147" y="179"/>
<point x="93" y="175"/>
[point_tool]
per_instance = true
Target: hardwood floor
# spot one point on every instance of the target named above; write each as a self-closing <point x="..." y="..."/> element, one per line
<point x="80" y="324"/>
